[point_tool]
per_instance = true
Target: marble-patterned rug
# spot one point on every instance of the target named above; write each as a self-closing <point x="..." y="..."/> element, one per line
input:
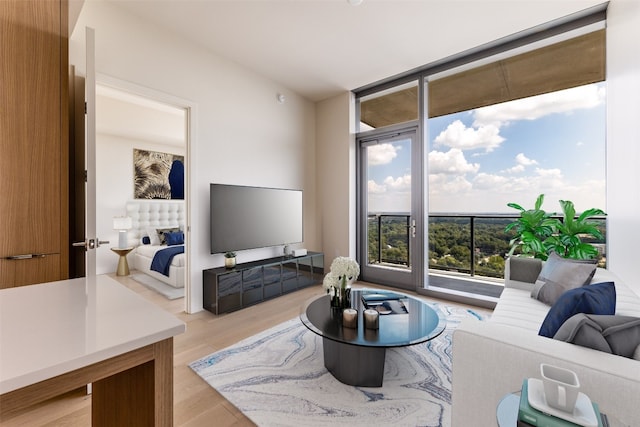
<point x="278" y="378"/>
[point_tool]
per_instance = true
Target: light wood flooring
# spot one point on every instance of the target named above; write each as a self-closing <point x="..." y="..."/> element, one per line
<point x="195" y="402"/>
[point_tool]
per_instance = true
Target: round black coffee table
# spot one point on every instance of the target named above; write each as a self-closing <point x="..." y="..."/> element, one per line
<point x="356" y="356"/>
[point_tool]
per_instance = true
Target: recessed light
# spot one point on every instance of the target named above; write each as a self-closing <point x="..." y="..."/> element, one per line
<point x="354" y="2"/>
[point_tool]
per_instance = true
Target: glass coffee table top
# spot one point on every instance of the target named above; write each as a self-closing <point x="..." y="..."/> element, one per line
<point x="404" y="320"/>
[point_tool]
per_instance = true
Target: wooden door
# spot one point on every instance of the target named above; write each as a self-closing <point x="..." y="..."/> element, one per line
<point x="34" y="243"/>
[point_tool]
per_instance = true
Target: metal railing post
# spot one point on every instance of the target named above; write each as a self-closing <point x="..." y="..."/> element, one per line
<point x="379" y="239"/>
<point x="472" y="241"/>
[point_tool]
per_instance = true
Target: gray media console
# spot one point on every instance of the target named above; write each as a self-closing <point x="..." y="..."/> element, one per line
<point x="226" y="290"/>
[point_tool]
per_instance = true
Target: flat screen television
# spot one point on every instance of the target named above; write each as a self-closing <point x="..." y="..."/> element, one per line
<point x="244" y="217"/>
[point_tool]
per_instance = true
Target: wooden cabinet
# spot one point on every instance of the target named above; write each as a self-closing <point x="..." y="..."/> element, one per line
<point x="226" y="290"/>
<point x="34" y="245"/>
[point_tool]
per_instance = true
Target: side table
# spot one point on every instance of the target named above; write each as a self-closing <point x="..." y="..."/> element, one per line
<point x="123" y="265"/>
<point x="507" y="411"/>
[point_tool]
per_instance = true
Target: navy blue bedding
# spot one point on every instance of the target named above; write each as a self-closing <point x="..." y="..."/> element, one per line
<point x="162" y="259"/>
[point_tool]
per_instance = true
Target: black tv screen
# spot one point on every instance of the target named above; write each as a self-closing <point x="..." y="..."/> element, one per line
<point x="245" y="217"/>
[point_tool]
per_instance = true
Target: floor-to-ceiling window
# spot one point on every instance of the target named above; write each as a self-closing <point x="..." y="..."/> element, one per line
<point x="390" y="170"/>
<point x="502" y="124"/>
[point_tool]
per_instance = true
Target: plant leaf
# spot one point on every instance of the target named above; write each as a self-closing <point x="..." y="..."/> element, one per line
<point x="515" y="206"/>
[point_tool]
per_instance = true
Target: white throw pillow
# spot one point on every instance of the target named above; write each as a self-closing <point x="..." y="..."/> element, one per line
<point x="152" y="232"/>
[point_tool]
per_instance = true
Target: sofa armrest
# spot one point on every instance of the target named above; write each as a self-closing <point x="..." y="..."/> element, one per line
<point x="521" y="272"/>
<point x="491" y="360"/>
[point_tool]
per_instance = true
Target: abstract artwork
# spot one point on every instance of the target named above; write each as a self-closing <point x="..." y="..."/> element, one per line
<point x="157" y="175"/>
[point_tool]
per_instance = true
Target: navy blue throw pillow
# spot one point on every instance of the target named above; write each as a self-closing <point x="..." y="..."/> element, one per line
<point x="175" y="238"/>
<point x="599" y="298"/>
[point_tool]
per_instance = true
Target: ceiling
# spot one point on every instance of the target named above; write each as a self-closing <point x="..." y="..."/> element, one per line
<point x="320" y="48"/>
<point x="128" y="116"/>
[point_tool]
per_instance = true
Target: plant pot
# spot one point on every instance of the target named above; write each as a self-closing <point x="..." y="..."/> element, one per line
<point x="230" y="262"/>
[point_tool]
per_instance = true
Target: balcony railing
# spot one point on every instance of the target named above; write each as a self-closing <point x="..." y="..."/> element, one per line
<point x="474" y="244"/>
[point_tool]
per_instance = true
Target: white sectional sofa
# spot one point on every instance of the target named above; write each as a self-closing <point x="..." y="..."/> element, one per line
<point x="491" y="358"/>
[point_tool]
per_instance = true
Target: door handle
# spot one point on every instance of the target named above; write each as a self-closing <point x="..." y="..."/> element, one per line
<point x="24" y="256"/>
<point x="90" y="243"/>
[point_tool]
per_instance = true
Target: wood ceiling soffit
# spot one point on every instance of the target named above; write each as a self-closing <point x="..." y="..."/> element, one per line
<point x="394" y="108"/>
<point x="563" y="65"/>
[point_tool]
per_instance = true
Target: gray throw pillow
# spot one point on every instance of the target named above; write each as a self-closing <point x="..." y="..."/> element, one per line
<point x="524" y="269"/>
<point x="561" y="274"/>
<point x="612" y="334"/>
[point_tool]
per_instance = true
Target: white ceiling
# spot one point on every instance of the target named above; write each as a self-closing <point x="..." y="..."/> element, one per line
<point x="319" y="48"/>
<point x="125" y="115"/>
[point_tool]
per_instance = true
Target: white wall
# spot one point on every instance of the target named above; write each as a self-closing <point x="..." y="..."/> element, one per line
<point x="336" y="175"/>
<point x="242" y="136"/>
<point x="623" y="138"/>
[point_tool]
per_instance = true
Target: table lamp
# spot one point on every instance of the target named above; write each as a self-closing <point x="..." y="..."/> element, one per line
<point x="122" y="224"/>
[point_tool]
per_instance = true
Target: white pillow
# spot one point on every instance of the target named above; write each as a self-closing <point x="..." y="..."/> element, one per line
<point x="152" y="232"/>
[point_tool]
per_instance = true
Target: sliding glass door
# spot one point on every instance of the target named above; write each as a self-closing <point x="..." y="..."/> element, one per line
<point x="390" y="248"/>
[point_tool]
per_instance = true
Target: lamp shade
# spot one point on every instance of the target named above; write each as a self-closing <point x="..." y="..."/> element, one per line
<point x="122" y="223"/>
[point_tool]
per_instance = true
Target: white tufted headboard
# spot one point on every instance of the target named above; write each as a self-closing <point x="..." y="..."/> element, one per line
<point x="153" y="213"/>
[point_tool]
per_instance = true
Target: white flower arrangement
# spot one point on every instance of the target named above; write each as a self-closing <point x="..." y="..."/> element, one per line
<point x="331" y="283"/>
<point x="345" y="267"/>
<point x="341" y="268"/>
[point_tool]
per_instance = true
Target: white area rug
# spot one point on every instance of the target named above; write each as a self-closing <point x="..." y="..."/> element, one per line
<point x="278" y="378"/>
<point x="154" y="284"/>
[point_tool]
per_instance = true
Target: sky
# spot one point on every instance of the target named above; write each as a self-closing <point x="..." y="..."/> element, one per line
<point x="482" y="159"/>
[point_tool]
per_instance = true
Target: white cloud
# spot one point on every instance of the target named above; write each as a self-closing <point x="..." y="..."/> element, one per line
<point x="448" y="186"/>
<point x="393" y="195"/>
<point x="564" y="101"/>
<point x="514" y="170"/>
<point x="484" y="181"/>
<point x="457" y="135"/>
<point x="374" y="188"/>
<point x="402" y="183"/>
<point x="549" y="173"/>
<point x="451" y="162"/>
<point x="382" y="154"/>
<point x="522" y="162"/>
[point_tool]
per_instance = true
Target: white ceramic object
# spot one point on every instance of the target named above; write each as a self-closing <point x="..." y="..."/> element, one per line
<point x="561" y="387"/>
<point x="583" y="413"/>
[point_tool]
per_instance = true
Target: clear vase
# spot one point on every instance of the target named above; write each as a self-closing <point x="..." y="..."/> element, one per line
<point x="341" y="298"/>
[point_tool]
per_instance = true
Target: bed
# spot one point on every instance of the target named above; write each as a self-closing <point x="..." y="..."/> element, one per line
<point x="148" y="217"/>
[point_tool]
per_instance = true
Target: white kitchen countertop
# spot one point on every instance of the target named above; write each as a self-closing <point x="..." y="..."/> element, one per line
<point x="53" y="328"/>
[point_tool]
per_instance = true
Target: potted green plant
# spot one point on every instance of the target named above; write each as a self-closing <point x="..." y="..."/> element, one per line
<point x="532" y="228"/>
<point x="230" y="259"/>
<point x="538" y="233"/>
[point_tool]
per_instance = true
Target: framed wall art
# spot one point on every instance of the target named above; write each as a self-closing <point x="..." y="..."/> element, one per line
<point x="157" y="175"/>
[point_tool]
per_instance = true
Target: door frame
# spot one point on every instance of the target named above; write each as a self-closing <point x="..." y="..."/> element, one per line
<point x="191" y="114"/>
<point x="412" y="280"/>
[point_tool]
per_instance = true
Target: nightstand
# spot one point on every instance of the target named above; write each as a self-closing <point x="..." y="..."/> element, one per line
<point x="123" y="265"/>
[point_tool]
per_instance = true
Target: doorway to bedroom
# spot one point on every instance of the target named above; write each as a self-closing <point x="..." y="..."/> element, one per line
<point x="141" y="166"/>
